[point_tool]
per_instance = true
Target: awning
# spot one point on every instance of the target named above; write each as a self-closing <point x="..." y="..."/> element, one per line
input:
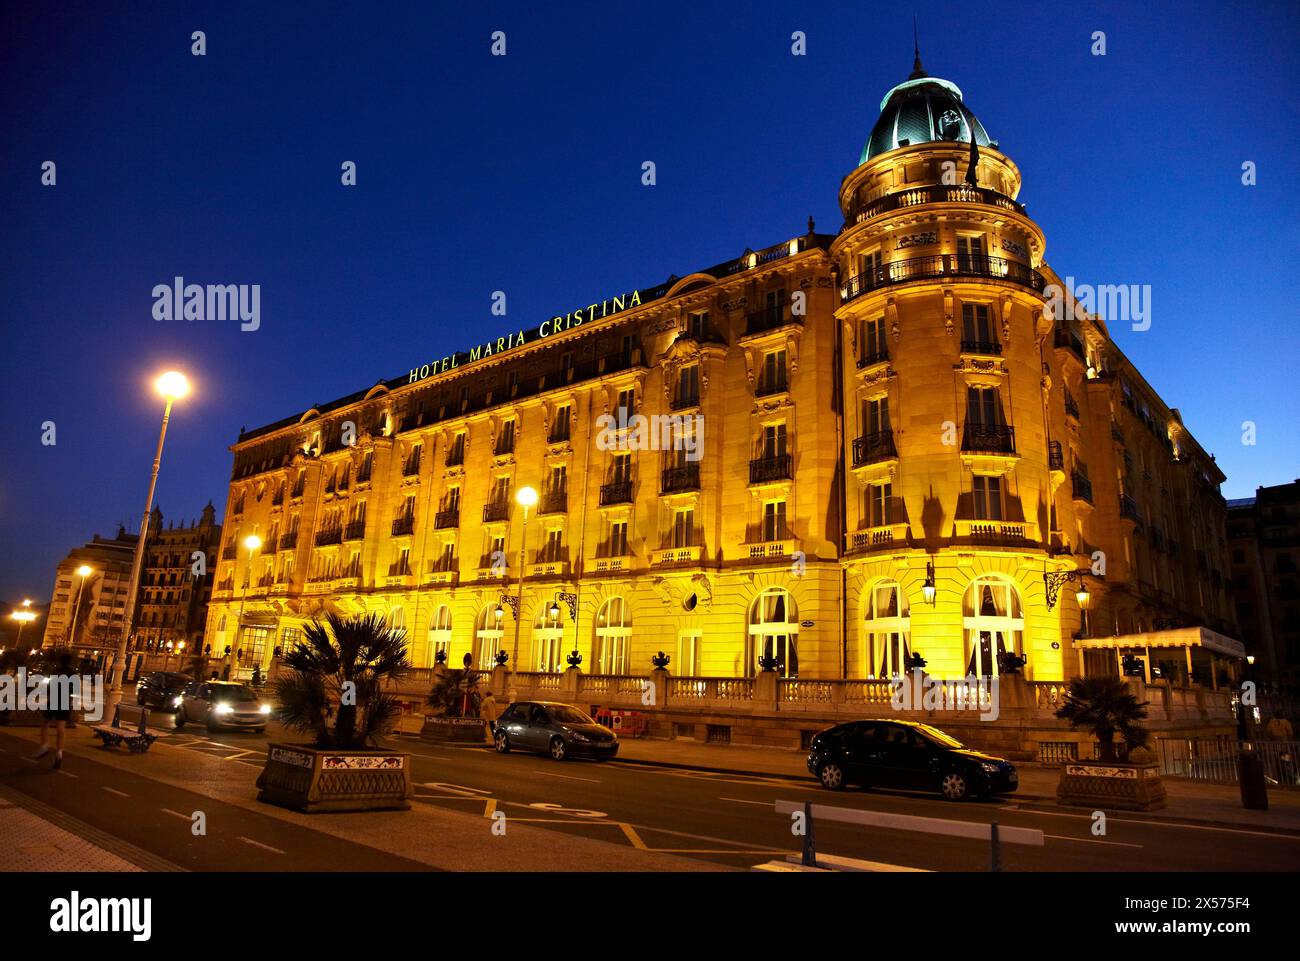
<point x="1182" y="637"/>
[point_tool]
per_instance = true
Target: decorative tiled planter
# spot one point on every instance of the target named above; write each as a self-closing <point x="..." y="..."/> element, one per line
<point x="1111" y="784"/>
<point x="332" y="779"/>
<point x="466" y="729"/>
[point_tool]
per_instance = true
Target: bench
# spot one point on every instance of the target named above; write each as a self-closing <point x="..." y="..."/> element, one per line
<point x="137" y="741"/>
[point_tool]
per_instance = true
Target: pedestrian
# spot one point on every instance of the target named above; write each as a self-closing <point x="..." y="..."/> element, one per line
<point x="56" y="713"/>
<point x="489" y="711"/>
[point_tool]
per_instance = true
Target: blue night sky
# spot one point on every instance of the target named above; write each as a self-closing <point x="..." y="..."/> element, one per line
<point x="478" y="173"/>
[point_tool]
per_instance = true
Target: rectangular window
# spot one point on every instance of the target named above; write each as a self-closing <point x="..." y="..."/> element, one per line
<point x="620" y="468"/>
<point x="501" y="491"/>
<point x="697" y="325"/>
<point x="971" y="254"/>
<point x="552" y="547"/>
<point x="774" y="528"/>
<point x="872" y="346"/>
<point x="869" y="266"/>
<point x="683" y="534"/>
<point x="560" y="427"/>
<point x="879" y="499"/>
<point x="774" y="441"/>
<point x="875" y="416"/>
<point x="506" y="442"/>
<point x="773" y="378"/>
<point x="983" y="406"/>
<point x="987" y="498"/>
<point x="456" y="454"/>
<point x="617" y="542"/>
<point x="977" y="331"/>
<point x="626" y="404"/>
<point x="688" y="655"/>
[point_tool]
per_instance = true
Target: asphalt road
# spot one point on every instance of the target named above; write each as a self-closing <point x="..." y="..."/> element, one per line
<point x="723" y="818"/>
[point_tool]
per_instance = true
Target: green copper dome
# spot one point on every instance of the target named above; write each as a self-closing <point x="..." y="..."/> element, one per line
<point x="923" y="109"/>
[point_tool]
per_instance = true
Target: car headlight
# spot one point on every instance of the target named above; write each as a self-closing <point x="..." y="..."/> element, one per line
<point x="176" y="701"/>
<point x="988" y="768"/>
<point x="222" y="709"/>
<point x="578" y="736"/>
<point x="265" y="708"/>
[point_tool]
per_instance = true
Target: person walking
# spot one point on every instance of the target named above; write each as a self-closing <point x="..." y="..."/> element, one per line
<point x="488" y="710"/>
<point x="56" y="713"/>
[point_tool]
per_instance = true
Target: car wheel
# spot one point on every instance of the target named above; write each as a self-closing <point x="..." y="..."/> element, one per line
<point x="559" y="750"/>
<point x="502" y="743"/>
<point x="953" y="786"/>
<point x="831" y="775"/>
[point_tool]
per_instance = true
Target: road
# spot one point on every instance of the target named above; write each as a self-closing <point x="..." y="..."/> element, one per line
<point x="722" y="818"/>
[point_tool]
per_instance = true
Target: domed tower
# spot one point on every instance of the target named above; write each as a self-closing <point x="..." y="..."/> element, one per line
<point x="949" y="488"/>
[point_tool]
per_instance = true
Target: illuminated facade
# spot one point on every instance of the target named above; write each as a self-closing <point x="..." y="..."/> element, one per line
<point x="859" y="417"/>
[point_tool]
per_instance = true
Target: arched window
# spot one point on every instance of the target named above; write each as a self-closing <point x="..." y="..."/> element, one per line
<point x="773" y="632"/>
<point x="993" y="623"/>
<point x="487" y="636"/>
<point x="613" y="634"/>
<point x="440" y="632"/>
<point x="886" y="629"/>
<point x="397" y="619"/>
<point x="548" y="639"/>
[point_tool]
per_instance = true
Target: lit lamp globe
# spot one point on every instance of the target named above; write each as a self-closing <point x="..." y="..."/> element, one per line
<point x="500" y="612"/>
<point x="173" y="385"/>
<point x="85" y="570"/>
<point x="1083" y="597"/>
<point x="554" y="611"/>
<point x="252" y="542"/>
<point x="526" y="497"/>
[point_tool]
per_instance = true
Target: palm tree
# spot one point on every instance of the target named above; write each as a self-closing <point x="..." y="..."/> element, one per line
<point x="1105" y="706"/>
<point x="455" y="693"/>
<point x="337" y="671"/>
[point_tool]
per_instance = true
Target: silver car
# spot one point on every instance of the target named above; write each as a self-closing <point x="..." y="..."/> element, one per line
<point x="222" y="704"/>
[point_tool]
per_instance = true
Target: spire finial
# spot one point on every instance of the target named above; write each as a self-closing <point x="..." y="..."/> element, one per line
<point x="918" y="71"/>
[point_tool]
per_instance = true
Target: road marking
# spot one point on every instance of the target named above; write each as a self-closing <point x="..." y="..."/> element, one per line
<point x="1165" y="824"/>
<point x="490" y="808"/>
<point x="569" y="777"/>
<point x="177" y="814"/>
<point x="66" y="773"/>
<point x="633" y="836"/>
<point x="236" y="757"/>
<point x="1118" y="844"/>
<point x="455" y="788"/>
<point x="113" y="790"/>
<point x="736" y="800"/>
<point x="259" y="844"/>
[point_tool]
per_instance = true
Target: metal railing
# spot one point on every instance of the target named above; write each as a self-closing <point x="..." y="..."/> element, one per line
<point x="684" y="478"/>
<point x="941" y="265"/>
<point x="873" y="447"/>
<point x="616" y="492"/>
<point x="989" y="438"/>
<point x="1215" y="759"/>
<point x="764" y="469"/>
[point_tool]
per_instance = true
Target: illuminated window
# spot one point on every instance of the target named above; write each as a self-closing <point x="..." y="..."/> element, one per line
<point x="773" y="633"/>
<point x="548" y="639"/>
<point x="440" y="633"/>
<point x="487" y="636"/>
<point x="993" y="624"/>
<point x="886" y="631"/>
<point x="613" y="634"/>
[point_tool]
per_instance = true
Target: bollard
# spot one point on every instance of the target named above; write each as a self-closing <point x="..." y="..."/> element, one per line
<point x="809" y="839"/>
<point x="995" y="849"/>
<point x="117" y="715"/>
<point x="144" y="720"/>
<point x="1250" y="778"/>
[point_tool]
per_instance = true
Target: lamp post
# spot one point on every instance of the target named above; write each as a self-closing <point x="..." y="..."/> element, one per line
<point x="525" y="497"/>
<point x="83" y="572"/>
<point x="171" y="385"/>
<point x="1084" y="599"/>
<point x="252" y="542"/>
<point x="23" y="617"/>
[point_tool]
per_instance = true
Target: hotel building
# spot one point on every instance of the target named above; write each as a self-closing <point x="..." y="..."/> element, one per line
<point x="859" y="447"/>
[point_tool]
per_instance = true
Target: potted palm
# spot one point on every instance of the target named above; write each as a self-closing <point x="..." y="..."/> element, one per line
<point x="1125" y="775"/>
<point x="331" y="687"/>
<point x="455" y="700"/>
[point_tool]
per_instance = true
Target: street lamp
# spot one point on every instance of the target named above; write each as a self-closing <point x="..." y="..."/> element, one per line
<point x="253" y="543"/>
<point x="928" y="589"/>
<point x="525" y="497"/>
<point x="1084" y="599"/>
<point x="83" y="572"/>
<point x="23" y="617"/>
<point x="171" y="385"/>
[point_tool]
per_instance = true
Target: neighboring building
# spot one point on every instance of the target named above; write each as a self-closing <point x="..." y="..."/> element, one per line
<point x="86" y="613"/>
<point x="172" y="603"/>
<point x="1264" y="538"/>
<point x="876" y="412"/>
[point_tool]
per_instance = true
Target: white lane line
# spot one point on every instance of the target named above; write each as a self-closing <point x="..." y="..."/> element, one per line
<point x="113" y="790"/>
<point x="569" y="777"/>
<point x="66" y="773"/>
<point x="1118" y="844"/>
<point x="736" y="800"/>
<point x="1164" y="824"/>
<point x="177" y="814"/>
<point x="259" y="844"/>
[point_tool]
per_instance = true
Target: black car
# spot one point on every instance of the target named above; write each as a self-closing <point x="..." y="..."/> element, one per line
<point x="905" y="754"/>
<point x="160" y="689"/>
<point x="560" y="730"/>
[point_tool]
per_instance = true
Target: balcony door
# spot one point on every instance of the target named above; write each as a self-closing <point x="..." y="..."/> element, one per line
<point x="994" y="625"/>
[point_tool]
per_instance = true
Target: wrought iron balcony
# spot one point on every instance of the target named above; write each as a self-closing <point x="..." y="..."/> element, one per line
<point x="874" y="447"/>
<point x="1082" y="487"/>
<point x="682" y="401"/>
<point x="765" y="469"/>
<point x="1055" y="459"/>
<point x="1128" y="508"/>
<point x="289" y="541"/>
<point x="684" y="478"/>
<point x="496" y="511"/>
<point x="554" y="502"/>
<point x="331" y="535"/>
<point x="616" y="492"/>
<point x="228" y="552"/>
<point x="986" y="347"/>
<point x="770" y="318"/>
<point x="988" y="439"/>
<point x="355" y="531"/>
<point x="932" y="194"/>
<point x="873" y="357"/>
<point x="776" y="385"/>
<point x="403" y="525"/>
<point x="444" y="519"/>
<point x="941" y="265"/>
<point x="1067" y="339"/>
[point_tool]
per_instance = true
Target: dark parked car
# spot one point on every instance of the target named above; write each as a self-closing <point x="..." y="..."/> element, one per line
<point x="160" y="688"/>
<point x="560" y="730"/>
<point x="905" y="754"/>
<point x="222" y="704"/>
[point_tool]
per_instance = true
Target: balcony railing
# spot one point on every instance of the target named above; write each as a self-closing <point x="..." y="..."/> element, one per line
<point x="776" y="385"/>
<point x="941" y="265"/>
<point x="228" y="552"/>
<point x="455" y="457"/>
<point x="412" y="466"/>
<point x="1055" y="459"/>
<point x="1071" y="407"/>
<point x="496" y="511"/>
<point x="355" y="531"/>
<point x="403" y="525"/>
<point x="289" y="541"/>
<point x="682" y="401"/>
<point x="444" y="519"/>
<point x="770" y="318"/>
<point x="873" y="357"/>
<point x="1082" y="487"/>
<point x="873" y="448"/>
<point x="505" y="445"/>
<point x="986" y="347"/>
<point x="989" y="439"/>
<point x="332" y="535"/>
<point x="765" y="469"/>
<point x="400" y="567"/>
<point x="554" y="502"/>
<point x="933" y="194"/>
<point x="1128" y="508"/>
<point x="616" y="492"/>
<point x="684" y="478"/>
<point x="1067" y="339"/>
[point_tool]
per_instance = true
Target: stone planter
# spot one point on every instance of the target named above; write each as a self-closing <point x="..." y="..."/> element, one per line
<point x="1127" y="785"/>
<point x="312" y="779"/>
<point x="467" y="729"/>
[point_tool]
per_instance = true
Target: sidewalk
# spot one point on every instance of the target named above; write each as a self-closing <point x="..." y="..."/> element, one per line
<point x="32" y="842"/>
<point x="1192" y="802"/>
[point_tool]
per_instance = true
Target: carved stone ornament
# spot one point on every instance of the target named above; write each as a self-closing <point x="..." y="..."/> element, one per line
<point x="947" y="310"/>
<point x="891" y="311"/>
